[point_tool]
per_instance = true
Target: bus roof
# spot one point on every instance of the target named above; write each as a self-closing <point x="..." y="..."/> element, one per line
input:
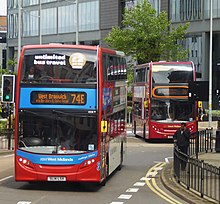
<point x="87" y="47"/>
<point x="163" y="62"/>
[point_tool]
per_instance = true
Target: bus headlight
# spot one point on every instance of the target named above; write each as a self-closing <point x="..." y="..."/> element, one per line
<point x="25" y="162"/>
<point x="87" y="163"/>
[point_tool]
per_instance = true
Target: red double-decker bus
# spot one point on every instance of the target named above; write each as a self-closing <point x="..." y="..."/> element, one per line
<point x="160" y="99"/>
<point x="70" y="113"/>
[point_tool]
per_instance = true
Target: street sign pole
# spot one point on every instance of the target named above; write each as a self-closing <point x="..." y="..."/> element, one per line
<point x="210" y="69"/>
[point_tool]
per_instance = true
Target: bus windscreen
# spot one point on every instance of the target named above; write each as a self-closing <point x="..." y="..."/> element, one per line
<point x="59" y="66"/>
<point x="168" y="73"/>
<point x="57" y="132"/>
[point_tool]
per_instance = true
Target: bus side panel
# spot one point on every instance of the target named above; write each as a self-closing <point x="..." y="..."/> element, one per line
<point x="114" y="154"/>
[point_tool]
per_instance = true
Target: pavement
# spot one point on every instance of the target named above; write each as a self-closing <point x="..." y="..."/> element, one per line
<point x="191" y="196"/>
<point x="178" y="189"/>
<point x="5" y="152"/>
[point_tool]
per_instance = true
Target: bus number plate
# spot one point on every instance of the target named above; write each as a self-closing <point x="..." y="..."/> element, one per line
<point x="52" y="178"/>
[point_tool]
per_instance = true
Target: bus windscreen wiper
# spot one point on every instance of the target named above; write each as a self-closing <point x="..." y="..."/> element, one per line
<point x="30" y="112"/>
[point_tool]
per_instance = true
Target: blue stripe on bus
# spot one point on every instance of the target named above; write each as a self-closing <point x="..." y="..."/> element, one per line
<point x="56" y="159"/>
<point x="25" y="100"/>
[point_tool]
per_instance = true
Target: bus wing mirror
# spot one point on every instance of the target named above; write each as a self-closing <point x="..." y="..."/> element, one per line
<point x="104" y="126"/>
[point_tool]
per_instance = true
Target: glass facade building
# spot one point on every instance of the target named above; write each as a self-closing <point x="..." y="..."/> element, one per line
<point x="56" y="21"/>
<point x="52" y="17"/>
<point x="197" y="12"/>
<point x="64" y="21"/>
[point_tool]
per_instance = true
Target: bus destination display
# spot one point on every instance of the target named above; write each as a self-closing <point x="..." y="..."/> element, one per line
<point x="59" y="98"/>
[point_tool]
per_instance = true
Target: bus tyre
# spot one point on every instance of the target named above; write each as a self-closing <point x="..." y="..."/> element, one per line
<point x="135" y="129"/>
<point x="144" y="132"/>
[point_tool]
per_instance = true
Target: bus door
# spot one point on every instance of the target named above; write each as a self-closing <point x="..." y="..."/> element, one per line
<point x="146" y="114"/>
<point x="139" y="110"/>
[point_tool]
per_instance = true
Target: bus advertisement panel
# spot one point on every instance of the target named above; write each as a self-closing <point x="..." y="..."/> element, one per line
<point x="70" y="113"/>
<point x="160" y="99"/>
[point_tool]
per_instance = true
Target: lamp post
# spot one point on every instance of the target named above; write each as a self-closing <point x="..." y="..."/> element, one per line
<point x="77" y="22"/>
<point x="210" y="69"/>
<point x="19" y="33"/>
<point x="40" y="33"/>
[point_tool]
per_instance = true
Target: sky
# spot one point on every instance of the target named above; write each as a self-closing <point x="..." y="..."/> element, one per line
<point x="3" y="7"/>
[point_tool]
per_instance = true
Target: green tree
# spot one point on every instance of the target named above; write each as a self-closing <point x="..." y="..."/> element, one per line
<point x="147" y="37"/>
<point x="12" y="62"/>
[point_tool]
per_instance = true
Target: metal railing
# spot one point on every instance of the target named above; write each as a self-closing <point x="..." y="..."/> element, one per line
<point x="6" y="139"/>
<point x="195" y="174"/>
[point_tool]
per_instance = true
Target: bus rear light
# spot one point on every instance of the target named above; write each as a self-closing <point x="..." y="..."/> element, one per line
<point x="26" y="163"/>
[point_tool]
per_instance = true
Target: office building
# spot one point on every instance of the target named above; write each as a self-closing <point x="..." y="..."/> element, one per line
<point x="63" y="21"/>
<point x="197" y="12"/>
<point x="56" y="21"/>
<point x="3" y="29"/>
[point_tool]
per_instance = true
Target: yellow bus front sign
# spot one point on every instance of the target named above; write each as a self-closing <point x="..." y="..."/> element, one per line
<point x="200" y="104"/>
<point x="103" y="126"/>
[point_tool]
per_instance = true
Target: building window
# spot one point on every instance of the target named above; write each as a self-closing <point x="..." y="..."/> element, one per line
<point x="89" y="16"/>
<point x="215" y="7"/>
<point x="66" y="18"/>
<point x="46" y="1"/>
<point x="185" y="10"/>
<point x="4" y="59"/>
<point x="30" y="23"/>
<point x="12" y="25"/>
<point x="49" y="21"/>
<point x="29" y="2"/>
<point x="15" y="4"/>
<point x="12" y="4"/>
<point x="195" y="45"/>
<point x="156" y="5"/>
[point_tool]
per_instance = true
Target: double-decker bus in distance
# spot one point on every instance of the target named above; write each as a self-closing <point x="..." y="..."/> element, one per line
<point x="70" y="113"/>
<point x="160" y="99"/>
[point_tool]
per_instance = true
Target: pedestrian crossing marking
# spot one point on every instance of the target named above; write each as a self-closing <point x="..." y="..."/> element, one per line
<point x="124" y="196"/>
<point x="132" y="190"/>
<point x="139" y="184"/>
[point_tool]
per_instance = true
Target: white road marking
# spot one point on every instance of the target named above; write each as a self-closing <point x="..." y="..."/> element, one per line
<point x="145" y="179"/>
<point x="152" y="174"/>
<point x="132" y="190"/>
<point x="167" y="159"/>
<point x="117" y="203"/>
<point x="139" y="184"/>
<point x="8" y="177"/>
<point x="23" y="202"/>
<point x="158" y="168"/>
<point x="124" y="196"/>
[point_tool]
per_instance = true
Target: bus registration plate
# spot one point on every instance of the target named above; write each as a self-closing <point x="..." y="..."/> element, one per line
<point x="52" y="178"/>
